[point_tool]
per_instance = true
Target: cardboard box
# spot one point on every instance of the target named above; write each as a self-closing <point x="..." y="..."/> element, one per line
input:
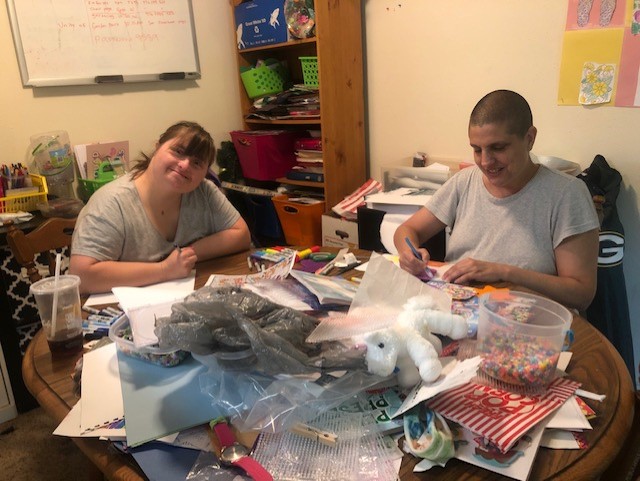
<point x="260" y="23"/>
<point x="338" y="232"/>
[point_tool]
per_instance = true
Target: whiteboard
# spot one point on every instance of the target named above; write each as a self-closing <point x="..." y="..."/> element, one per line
<point x="78" y="42"/>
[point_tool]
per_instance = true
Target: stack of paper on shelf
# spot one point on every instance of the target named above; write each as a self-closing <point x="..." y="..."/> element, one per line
<point x="309" y="165"/>
<point x="403" y="200"/>
<point x="430" y="177"/>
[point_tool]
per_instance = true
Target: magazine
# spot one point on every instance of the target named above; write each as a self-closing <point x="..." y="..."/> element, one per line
<point x="328" y="290"/>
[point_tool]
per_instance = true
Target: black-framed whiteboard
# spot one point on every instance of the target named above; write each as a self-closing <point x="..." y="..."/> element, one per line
<point x="78" y="42"/>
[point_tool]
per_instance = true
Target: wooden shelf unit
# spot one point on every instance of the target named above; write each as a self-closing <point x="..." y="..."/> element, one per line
<point x="338" y="46"/>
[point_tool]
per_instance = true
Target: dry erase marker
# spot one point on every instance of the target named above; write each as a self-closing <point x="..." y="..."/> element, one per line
<point x="90" y="310"/>
<point x="95" y="325"/>
<point x="113" y="311"/>
<point x="98" y="318"/>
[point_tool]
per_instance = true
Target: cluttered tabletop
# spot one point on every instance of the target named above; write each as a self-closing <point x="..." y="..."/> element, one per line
<point x="361" y="401"/>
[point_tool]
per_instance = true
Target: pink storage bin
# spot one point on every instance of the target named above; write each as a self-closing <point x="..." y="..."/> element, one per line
<point x="265" y="154"/>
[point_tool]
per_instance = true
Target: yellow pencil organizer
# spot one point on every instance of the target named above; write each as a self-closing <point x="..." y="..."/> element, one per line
<point x="25" y="199"/>
<point x="104" y="175"/>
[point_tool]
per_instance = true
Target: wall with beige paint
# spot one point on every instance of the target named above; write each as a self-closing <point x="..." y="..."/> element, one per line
<point x="139" y="112"/>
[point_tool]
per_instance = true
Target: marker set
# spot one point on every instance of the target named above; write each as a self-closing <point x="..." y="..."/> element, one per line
<point x="99" y="321"/>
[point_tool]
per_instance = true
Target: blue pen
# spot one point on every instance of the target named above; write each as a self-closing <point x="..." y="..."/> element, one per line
<point x="428" y="273"/>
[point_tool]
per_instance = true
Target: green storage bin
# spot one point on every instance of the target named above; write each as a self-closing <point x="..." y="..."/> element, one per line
<point x="265" y="80"/>
<point x="310" y="71"/>
<point x="104" y="175"/>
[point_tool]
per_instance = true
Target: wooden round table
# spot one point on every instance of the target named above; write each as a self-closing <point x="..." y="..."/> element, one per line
<point x="595" y="363"/>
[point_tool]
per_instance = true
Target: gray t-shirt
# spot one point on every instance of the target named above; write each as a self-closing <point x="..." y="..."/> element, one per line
<point x="521" y="230"/>
<point x="114" y="225"/>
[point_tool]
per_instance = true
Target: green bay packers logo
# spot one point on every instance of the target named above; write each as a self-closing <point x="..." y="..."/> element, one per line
<point x="611" y="249"/>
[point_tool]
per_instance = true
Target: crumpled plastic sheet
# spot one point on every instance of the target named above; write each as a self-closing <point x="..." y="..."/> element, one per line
<point x="231" y="319"/>
<point x="282" y="387"/>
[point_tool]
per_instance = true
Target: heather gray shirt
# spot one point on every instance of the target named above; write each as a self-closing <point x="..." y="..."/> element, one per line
<point x="114" y="225"/>
<point x="521" y="230"/>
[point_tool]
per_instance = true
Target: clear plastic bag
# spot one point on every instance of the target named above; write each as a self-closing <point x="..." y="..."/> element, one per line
<point x="254" y="401"/>
<point x="231" y="320"/>
<point x="262" y="374"/>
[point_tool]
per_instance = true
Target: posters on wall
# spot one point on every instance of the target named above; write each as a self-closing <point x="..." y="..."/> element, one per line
<point x="601" y="54"/>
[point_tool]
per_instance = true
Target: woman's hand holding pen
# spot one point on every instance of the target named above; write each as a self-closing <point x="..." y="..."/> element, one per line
<point x="179" y="263"/>
<point x="413" y="260"/>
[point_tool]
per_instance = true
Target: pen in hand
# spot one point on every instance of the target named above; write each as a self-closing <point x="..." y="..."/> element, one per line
<point x="428" y="273"/>
<point x="178" y="247"/>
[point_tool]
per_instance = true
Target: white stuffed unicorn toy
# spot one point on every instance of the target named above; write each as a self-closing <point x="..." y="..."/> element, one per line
<point x="409" y="344"/>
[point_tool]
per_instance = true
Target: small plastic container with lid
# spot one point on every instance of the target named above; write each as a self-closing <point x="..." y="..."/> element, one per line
<point x="520" y="337"/>
<point x="120" y="333"/>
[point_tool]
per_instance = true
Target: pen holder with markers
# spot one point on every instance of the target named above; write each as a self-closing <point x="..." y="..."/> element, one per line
<point x="12" y="182"/>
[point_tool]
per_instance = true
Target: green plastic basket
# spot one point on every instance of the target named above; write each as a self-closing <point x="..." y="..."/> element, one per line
<point x="104" y="175"/>
<point x="262" y="81"/>
<point x="310" y="71"/>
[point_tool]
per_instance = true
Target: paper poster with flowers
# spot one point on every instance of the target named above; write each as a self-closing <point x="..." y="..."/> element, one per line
<point x="597" y="83"/>
<point x="601" y="54"/>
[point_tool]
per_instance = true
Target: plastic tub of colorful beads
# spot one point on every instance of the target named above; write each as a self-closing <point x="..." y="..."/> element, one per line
<point x="120" y="333"/>
<point x="520" y="337"/>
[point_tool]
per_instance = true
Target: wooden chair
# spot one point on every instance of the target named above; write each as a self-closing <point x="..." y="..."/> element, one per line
<point x="54" y="233"/>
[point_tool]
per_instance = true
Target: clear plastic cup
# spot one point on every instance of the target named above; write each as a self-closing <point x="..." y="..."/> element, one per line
<point x="64" y="330"/>
<point x="520" y="337"/>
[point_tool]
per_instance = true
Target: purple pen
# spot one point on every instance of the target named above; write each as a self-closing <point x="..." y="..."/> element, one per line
<point x="428" y="272"/>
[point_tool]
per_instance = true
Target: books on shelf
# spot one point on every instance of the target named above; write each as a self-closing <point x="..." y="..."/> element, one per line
<point x="302" y="174"/>
<point x="90" y="156"/>
<point x="309" y="164"/>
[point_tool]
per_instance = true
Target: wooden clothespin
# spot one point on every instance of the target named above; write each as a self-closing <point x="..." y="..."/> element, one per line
<point x="323" y="437"/>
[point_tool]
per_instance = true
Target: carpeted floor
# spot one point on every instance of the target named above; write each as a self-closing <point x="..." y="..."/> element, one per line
<point x="28" y="451"/>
